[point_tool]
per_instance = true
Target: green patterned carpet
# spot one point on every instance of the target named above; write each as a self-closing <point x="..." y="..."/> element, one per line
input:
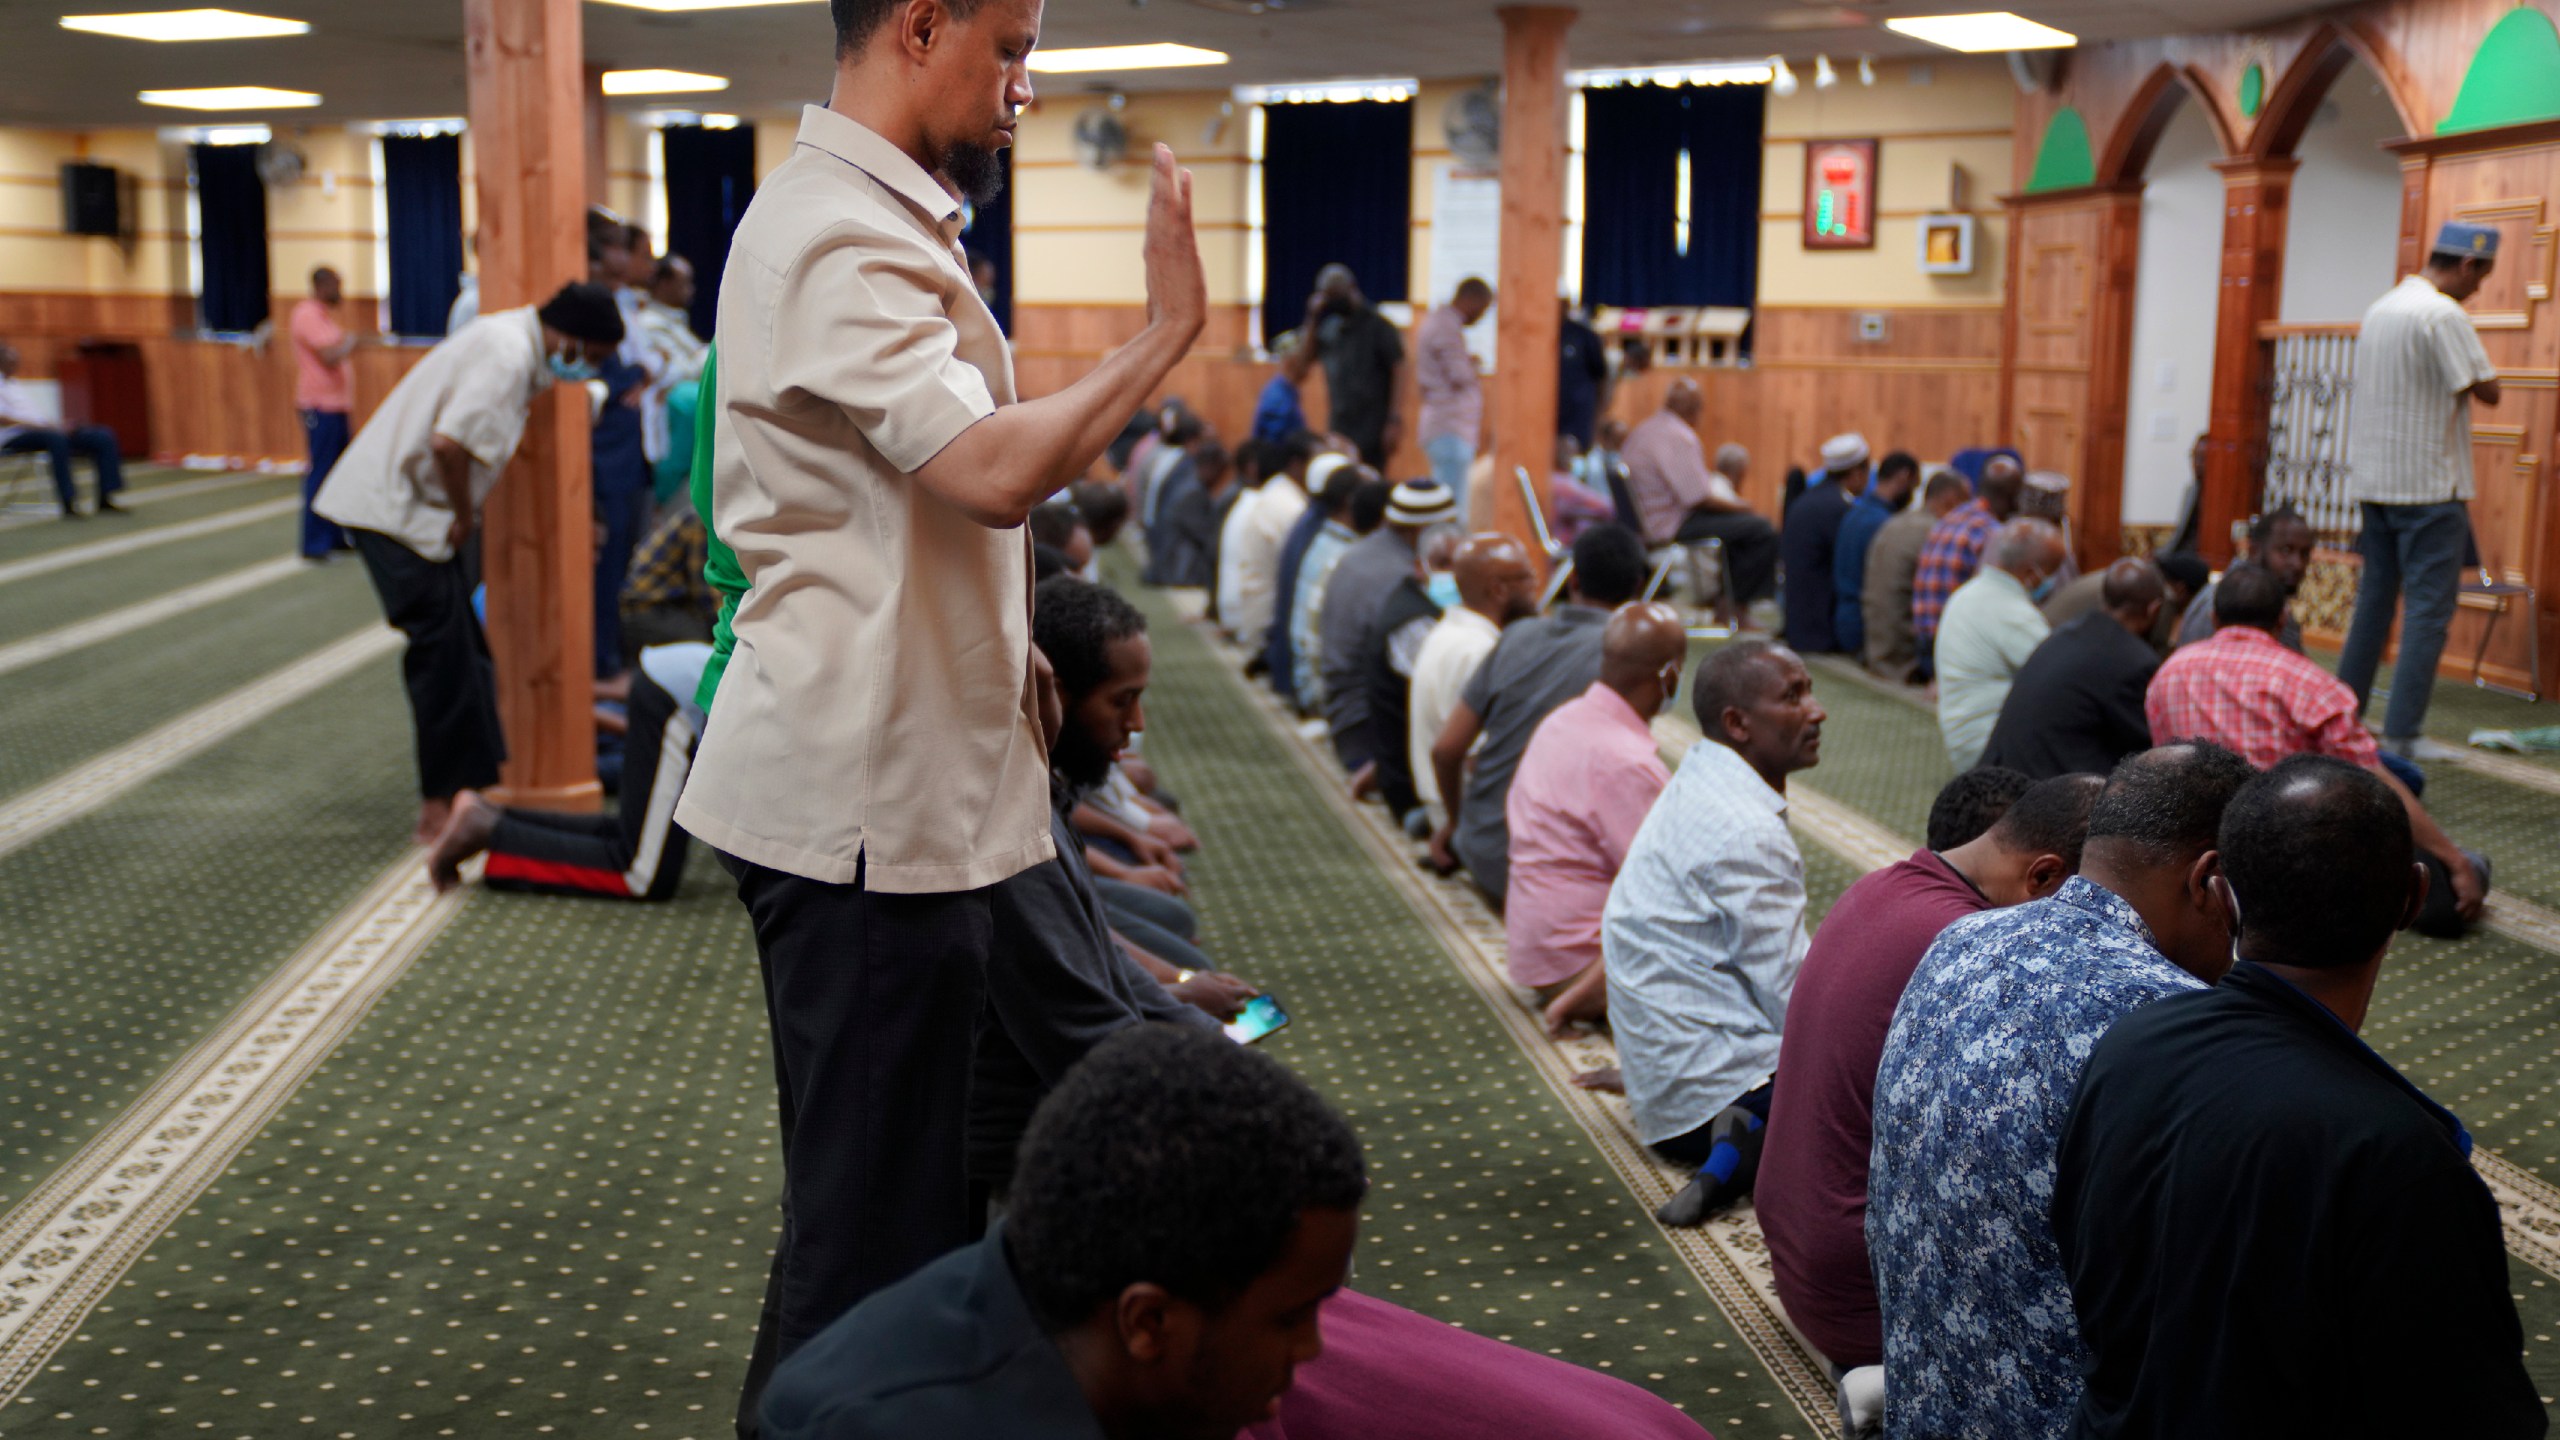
<point x="532" y="1192"/>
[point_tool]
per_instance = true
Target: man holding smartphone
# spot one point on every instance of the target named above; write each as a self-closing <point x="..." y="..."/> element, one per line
<point x="875" y="762"/>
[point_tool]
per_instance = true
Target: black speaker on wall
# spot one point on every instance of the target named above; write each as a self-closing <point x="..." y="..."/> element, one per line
<point x="92" y="199"/>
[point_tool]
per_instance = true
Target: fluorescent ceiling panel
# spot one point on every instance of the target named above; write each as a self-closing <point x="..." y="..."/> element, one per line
<point x="1991" y="30"/>
<point x="660" y="82"/>
<point x="232" y="97"/>
<point x="1123" y="57"/>
<point x="187" y="25"/>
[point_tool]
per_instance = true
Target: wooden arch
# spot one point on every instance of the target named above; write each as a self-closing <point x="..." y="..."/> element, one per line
<point x="2146" y="116"/>
<point x="2296" y="96"/>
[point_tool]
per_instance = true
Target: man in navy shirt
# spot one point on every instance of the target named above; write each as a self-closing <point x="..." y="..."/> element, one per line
<point x="1582" y="378"/>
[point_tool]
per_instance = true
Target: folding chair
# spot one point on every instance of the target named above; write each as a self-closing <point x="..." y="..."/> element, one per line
<point x="21" y="471"/>
<point x="2483" y="590"/>
<point x="1559" y="555"/>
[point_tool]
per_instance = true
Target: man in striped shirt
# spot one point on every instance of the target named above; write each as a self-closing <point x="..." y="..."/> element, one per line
<point x="1954" y="550"/>
<point x="2419" y="365"/>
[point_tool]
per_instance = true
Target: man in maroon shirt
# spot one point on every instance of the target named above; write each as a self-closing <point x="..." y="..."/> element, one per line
<point x="1813" y="1173"/>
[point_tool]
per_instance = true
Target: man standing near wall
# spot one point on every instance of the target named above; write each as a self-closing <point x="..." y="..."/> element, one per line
<point x="321" y="392"/>
<point x="1452" y="393"/>
<point x="1363" y="361"/>
<point x="877" y="761"/>
<point x="2419" y="365"/>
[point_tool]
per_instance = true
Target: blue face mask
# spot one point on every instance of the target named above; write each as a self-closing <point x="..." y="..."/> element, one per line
<point x="2044" y="588"/>
<point x="572" y="372"/>
<point x="1443" y="589"/>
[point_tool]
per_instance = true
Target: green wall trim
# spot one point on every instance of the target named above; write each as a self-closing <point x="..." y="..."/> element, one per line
<point x="2064" y="160"/>
<point x="2514" y="76"/>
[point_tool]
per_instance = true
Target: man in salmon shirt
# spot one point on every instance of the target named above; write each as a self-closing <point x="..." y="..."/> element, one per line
<point x="321" y="392"/>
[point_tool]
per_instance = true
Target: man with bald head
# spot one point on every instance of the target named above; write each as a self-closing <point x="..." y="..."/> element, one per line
<point x="1954" y="549"/>
<point x="2076" y="705"/>
<point x="1680" y="499"/>
<point x="1496" y="585"/>
<point x="1588" y="779"/>
<point x="1990" y="628"/>
<point x="1704" y="930"/>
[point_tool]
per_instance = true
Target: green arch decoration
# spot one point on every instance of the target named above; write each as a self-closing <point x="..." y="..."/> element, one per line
<point x="2064" y="160"/>
<point x="2253" y="90"/>
<point x="2514" y="76"/>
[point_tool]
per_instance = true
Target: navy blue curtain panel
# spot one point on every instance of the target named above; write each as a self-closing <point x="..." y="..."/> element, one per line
<point x="1337" y="185"/>
<point x="422" y="190"/>
<point x="1632" y="139"/>
<point x="990" y="238"/>
<point x="711" y="175"/>
<point x="231" y="212"/>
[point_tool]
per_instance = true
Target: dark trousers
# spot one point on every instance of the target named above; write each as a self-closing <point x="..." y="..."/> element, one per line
<point x="453" y="689"/>
<point x="622" y="516"/>
<point x="2412" y="554"/>
<point x="1750" y="550"/>
<point x="635" y="853"/>
<point x="95" y="441"/>
<point x="324" y="432"/>
<point x="874" y="1003"/>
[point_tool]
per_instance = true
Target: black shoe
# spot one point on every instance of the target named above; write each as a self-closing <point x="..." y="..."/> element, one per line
<point x="70" y="514"/>
<point x="109" y="507"/>
<point x="1698" y="1201"/>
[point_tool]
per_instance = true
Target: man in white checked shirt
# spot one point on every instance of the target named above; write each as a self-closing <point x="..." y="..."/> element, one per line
<point x="2419" y="365"/>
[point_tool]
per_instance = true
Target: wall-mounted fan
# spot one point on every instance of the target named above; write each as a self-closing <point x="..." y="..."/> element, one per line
<point x="1100" y="139"/>
<point x="1473" y="122"/>
<point x="280" y="164"/>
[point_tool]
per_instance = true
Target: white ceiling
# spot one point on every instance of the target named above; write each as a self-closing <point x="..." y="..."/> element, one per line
<point x="388" y="59"/>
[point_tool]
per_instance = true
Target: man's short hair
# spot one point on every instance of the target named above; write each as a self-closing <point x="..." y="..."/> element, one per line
<point x="1897" y="462"/>
<point x="1945" y="483"/>
<point x="2185" y="569"/>
<point x="1970" y="804"/>
<point x="1367" y="509"/>
<point x="1333" y="497"/>
<point x="2250" y="594"/>
<point x="1296" y="448"/>
<point x="1608" y="565"/>
<point x="856" y="19"/>
<point x="2318" y="854"/>
<point x="2167" y="803"/>
<point x="1173" y="1157"/>
<point x="2263" y="529"/>
<point x="1105" y="507"/>
<point x="1729" y="455"/>
<point x="2052" y="818"/>
<point x="667" y="268"/>
<point x="1473" y="288"/>
<point x="1074" y="622"/>
<point x="1734" y="677"/>
<point x="1054" y="524"/>
<point x="2131" y="586"/>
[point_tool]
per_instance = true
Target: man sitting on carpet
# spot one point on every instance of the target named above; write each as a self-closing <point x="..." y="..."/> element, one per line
<point x="2281" y="541"/>
<point x="1590" y="776"/>
<point x="2076" y="706"/>
<point x="1988" y="631"/>
<point x="1390" y="650"/>
<point x="1813" y="1173"/>
<point x="1354" y="594"/>
<point x="1977" y="1077"/>
<point x="1704" y="928"/>
<point x="1955" y="545"/>
<point x="1495" y="587"/>
<point x="1893" y="568"/>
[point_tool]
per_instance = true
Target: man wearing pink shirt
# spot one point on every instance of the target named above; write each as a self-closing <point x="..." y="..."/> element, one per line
<point x="1452" y="393"/>
<point x="321" y="392"/>
<point x="1585" y="784"/>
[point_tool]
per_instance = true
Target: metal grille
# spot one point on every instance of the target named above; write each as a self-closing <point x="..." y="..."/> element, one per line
<point x="2311" y="382"/>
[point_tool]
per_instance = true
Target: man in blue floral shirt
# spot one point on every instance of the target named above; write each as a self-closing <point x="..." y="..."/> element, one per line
<point x="1978" y="1077"/>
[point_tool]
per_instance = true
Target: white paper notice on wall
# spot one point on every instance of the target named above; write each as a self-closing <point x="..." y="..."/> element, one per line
<point x="1466" y="239"/>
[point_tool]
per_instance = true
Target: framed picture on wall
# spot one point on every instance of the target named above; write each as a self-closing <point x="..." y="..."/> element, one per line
<point x="1946" y="244"/>
<point x="1839" y="194"/>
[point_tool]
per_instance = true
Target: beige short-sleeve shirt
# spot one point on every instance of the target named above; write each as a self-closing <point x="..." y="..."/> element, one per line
<point x="475" y="389"/>
<point x="876" y="718"/>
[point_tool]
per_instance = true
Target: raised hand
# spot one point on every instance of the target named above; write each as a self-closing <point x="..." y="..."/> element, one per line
<point x="1177" y="292"/>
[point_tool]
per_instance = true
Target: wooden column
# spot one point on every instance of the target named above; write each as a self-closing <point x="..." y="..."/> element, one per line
<point x="596" y="117"/>
<point x="1533" y="168"/>
<point x="2255" y="196"/>
<point x="528" y="133"/>
<point x="2097" y="492"/>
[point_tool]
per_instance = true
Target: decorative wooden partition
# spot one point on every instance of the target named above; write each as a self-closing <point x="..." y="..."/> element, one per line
<point x="2067" y="344"/>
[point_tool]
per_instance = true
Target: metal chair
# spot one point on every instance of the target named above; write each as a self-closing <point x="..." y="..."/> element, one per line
<point x="1559" y="555"/>
<point x="19" y="471"/>
<point x="2483" y="590"/>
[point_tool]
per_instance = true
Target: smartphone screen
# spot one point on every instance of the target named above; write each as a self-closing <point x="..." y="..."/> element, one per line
<point x="1260" y="1016"/>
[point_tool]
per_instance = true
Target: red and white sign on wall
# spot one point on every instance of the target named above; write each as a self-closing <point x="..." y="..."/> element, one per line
<point x="1839" y="194"/>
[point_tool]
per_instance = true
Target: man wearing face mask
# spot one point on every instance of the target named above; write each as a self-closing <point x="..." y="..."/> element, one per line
<point x="875" y="765"/>
<point x="408" y="491"/>
<point x="1390" y="649"/>
<point x="1991" y="625"/>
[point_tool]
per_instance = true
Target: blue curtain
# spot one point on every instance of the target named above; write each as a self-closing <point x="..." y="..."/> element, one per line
<point x="989" y="237"/>
<point x="422" y="190"/>
<point x="231" y="211"/>
<point x="1632" y="139"/>
<point x="711" y="175"/>
<point x="1337" y="185"/>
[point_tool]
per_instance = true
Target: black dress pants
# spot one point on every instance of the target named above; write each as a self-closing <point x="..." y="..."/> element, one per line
<point x="453" y="689"/>
<point x="1750" y="550"/>
<point x="873" y="1000"/>
<point x="635" y="853"/>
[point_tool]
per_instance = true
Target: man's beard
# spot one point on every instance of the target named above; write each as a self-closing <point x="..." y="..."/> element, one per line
<point x="976" y="170"/>
<point x="1078" y="760"/>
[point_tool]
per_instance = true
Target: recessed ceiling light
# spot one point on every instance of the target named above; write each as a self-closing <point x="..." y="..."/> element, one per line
<point x="1991" y="30"/>
<point x="660" y="82"/>
<point x="1123" y="57"/>
<point x="232" y="97"/>
<point x="677" y="5"/>
<point x="187" y="25"/>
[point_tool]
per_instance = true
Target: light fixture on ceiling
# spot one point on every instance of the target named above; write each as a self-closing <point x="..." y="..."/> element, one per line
<point x="1782" y="81"/>
<point x="187" y="25"/>
<point x="1990" y="30"/>
<point x="1703" y="72"/>
<point x="232" y="97"/>
<point x="678" y="6"/>
<point x="1866" y="71"/>
<point x="1159" y="56"/>
<point x="660" y="82"/>
<point x="1824" y="77"/>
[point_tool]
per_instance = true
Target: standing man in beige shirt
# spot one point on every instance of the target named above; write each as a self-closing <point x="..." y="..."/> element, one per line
<point x="876" y="758"/>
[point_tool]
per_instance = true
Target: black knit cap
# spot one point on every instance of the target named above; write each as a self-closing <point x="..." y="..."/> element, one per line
<point x="584" y="312"/>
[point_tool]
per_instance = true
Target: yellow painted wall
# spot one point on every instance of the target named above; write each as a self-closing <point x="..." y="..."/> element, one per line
<point x="1078" y="231"/>
<point x="36" y="255"/>
<point x="1961" y="115"/>
<point x="326" y="218"/>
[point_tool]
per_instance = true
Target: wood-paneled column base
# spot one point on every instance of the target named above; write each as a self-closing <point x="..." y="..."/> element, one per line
<point x="2256" y="196"/>
<point x="1533" y="165"/>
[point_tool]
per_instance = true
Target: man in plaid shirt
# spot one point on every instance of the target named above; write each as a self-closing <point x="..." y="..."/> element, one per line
<point x="2245" y="691"/>
<point x="1954" y="551"/>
